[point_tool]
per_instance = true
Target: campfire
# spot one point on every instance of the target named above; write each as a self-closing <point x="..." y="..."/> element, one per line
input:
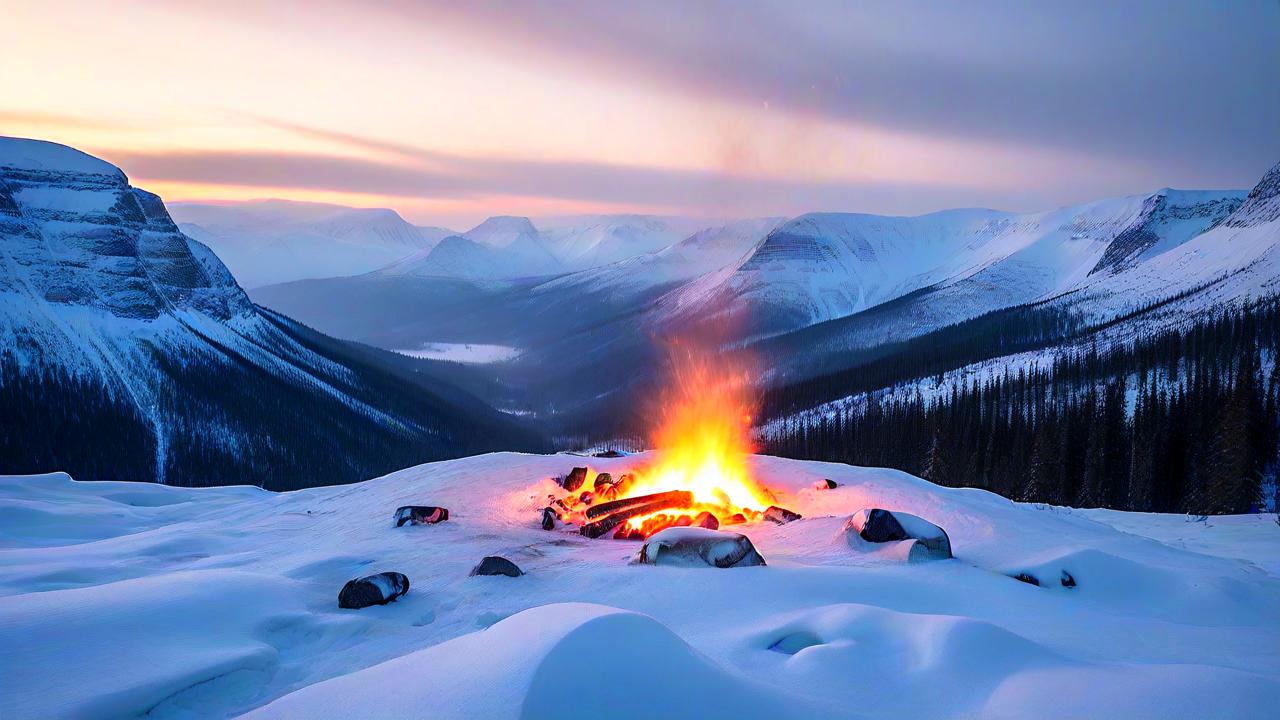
<point x="699" y="475"/>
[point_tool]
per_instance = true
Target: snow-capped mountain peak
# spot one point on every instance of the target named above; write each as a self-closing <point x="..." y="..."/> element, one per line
<point x="502" y="230"/>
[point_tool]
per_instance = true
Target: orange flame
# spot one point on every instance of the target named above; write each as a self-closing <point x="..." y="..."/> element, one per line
<point x="704" y="438"/>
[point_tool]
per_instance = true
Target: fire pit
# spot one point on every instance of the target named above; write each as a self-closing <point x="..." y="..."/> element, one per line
<point x="700" y="476"/>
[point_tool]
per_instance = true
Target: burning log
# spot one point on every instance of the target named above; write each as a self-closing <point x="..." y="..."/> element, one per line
<point x="681" y="497"/>
<point x="781" y="516"/>
<point x="625" y="533"/>
<point x="674" y="499"/>
<point x="575" y="479"/>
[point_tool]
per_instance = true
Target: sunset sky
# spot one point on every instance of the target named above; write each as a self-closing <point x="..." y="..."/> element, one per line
<point x="453" y="111"/>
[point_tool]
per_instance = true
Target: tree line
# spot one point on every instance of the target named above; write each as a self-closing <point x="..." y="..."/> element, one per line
<point x="1184" y="420"/>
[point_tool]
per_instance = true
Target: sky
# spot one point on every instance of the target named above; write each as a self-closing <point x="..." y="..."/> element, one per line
<point x="453" y="111"/>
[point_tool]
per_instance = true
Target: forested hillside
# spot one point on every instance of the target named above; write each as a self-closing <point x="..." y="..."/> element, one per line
<point x="1184" y="420"/>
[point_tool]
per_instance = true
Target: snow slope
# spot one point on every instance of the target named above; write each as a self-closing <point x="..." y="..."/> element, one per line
<point x="97" y="282"/>
<point x="825" y="266"/>
<point x="273" y="241"/>
<point x="587" y="241"/>
<point x="226" y="601"/>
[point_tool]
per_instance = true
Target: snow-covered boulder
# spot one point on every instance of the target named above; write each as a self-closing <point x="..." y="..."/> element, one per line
<point x="699" y="547"/>
<point x="377" y="589"/>
<point x="494" y="565"/>
<point x="904" y="536"/>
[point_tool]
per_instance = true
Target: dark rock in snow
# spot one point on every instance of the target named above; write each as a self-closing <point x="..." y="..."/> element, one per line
<point x="421" y="515"/>
<point x="549" y="518"/>
<point x="875" y="525"/>
<point x="377" y="589"/>
<point x="827" y="484"/>
<point x="699" y="547"/>
<point x="1027" y="578"/>
<point x="575" y="479"/>
<point x="1066" y="580"/>
<point x="494" y="565"/>
<point x="609" y="454"/>
<point x="781" y="516"/>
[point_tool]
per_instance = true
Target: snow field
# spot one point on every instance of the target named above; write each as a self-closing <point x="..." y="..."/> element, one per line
<point x="125" y="599"/>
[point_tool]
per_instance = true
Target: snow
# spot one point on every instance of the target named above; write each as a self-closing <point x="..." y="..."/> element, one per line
<point x="225" y="599"/>
<point x="464" y="352"/>
<point x="273" y="241"/>
<point x="42" y="156"/>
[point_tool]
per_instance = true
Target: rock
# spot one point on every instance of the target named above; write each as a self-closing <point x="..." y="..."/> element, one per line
<point x="421" y="515"/>
<point x="1066" y="580"/>
<point x="735" y="519"/>
<point x="602" y="480"/>
<point x="609" y="454"/>
<point x="781" y="516"/>
<point x="549" y="518"/>
<point x="377" y="589"/>
<point x="706" y="520"/>
<point x="1027" y="578"/>
<point x="575" y="479"/>
<point x="827" y="484"/>
<point x="882" y="526"/>
<point x="699" y="547"/>
<point x="494" y="565"/>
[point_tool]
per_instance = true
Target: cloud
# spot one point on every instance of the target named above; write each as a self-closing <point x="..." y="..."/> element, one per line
<point x="446" y="176"/>
<point x="1187" y="88"/>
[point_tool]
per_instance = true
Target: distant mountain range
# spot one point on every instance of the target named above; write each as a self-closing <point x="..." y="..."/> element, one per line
<point x="130" y="352"/>
<point x="803" y="293"/>
<point x="573" y="312"/>
<point x="272" y="241"/>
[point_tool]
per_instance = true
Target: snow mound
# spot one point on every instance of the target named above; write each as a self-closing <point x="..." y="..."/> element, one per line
<point x="103" y="637"/>
<point x="545" y="663"/>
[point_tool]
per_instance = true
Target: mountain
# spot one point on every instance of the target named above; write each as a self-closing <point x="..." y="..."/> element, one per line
<point x="1192" y="264"/>
<point x="500" y="248"/>
<point x="825" y="266"/>
<point x="272" y="241"/>
<point x="130" y="352"/>
<point x="587" y="241"/>
<point x="503" y="231"/>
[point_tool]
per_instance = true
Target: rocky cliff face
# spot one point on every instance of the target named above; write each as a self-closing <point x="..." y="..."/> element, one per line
<point x="77" y="234"/>
<point x="1263" y="203"/>
<point x="129" y="352"/>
